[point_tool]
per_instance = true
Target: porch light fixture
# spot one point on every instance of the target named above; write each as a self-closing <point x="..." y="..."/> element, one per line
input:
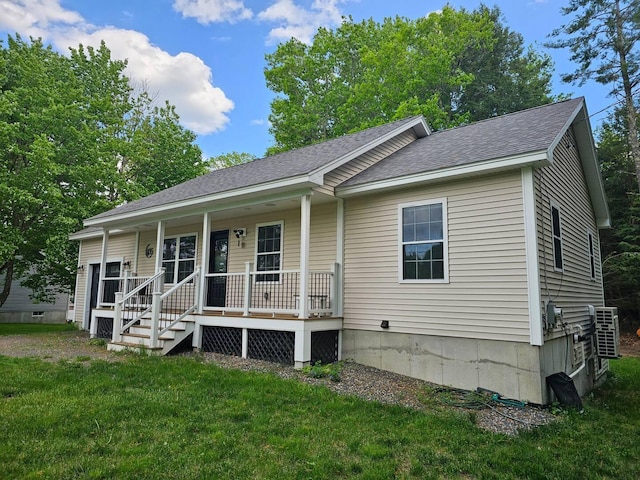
<point x="240" y="233"/>
<point x="148" y="251"/>
<point x="384" y="324"/>
<point x="81" y="269"/>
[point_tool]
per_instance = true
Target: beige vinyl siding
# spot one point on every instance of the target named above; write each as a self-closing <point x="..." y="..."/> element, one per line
<point x="357" y="165"/>
<point x="322" y="249"/>
<point x="486" y="297"/>
<point x="564" y="184"/>
<point x="120" y="248"/>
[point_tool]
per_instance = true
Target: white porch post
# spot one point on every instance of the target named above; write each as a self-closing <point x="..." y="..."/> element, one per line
<point x="338" y="274"/>
<point x="136" y="254"/>
<point x="155" y="319"/>
<point x="206" y="233"/>
<point x="305" y="228"/>
<point x="302" y="352"/>
<point x="117" y="319"/>
<point x="159" y="244"/>
<point x="103" y="264"/>
<point x="247" y="289"/>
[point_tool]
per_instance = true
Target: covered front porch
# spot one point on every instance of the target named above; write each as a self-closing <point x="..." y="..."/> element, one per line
<point x="197" y="293"/>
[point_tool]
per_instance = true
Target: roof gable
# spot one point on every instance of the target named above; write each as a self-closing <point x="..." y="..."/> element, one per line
<point x="307" y="164"/>
<point x="516" y="134"/>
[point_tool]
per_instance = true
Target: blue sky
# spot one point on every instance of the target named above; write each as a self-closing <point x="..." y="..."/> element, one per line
<point x="207" y="56"/>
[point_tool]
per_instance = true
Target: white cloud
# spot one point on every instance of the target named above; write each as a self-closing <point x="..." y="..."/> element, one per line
<point x="183" y="79"/>
<point x="34" y="17"/>
<point x="296" y="21"/>
<point x="211" y="11"/>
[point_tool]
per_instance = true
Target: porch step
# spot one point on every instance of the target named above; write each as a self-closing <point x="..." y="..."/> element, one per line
<point x="139" y="338"/>
<point x="133" y="347"/>
<point x="145" y="331"/>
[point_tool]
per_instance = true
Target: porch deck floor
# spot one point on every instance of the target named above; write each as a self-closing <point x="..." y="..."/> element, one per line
<point x="278" y="316"/>
<point x="220" y="313"/>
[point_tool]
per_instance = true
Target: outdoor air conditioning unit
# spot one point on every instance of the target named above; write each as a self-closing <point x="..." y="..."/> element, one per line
<point x="607" y="332"/>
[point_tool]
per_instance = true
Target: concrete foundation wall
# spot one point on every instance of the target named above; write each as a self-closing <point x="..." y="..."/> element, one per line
<point x="555" y="360"/>
<point x="509" y="368"/>
<point x="27" y="317"/>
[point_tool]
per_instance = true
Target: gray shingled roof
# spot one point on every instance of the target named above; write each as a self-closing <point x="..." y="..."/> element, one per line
<point x="294" y="163"/>
<point x="519" y="133"/>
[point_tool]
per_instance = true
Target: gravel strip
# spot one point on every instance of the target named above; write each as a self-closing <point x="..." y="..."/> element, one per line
<point x="390" y="388"/>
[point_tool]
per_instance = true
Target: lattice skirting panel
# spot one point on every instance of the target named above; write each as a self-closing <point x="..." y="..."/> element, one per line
<point x="324" y="346"/>
<point x="272" y="346"/>
<point x="225" y="340"/>
<point x="105" y="327"/>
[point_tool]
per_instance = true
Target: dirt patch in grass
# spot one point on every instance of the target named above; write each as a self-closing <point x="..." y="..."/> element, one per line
<point x="54" y="346"/>
<point x="629" y="344"/>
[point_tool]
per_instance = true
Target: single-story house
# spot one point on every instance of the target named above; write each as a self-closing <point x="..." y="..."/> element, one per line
<point x="467" y="257"/>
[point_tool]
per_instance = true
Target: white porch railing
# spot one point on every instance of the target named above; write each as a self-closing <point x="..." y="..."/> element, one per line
<point x="271" y="292"/>
<point x="251" y="292"/>
<point x="166" y="308"/>
<point x="125" y="284"/>
<point x="131" y="305"/>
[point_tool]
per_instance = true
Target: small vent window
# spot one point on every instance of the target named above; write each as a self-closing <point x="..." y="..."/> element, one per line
<point x="557" y="238"/>
<point x="592" y="258"/>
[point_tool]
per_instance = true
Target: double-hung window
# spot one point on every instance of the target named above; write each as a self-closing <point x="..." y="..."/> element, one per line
<point x="178" y="257"/>
<point x="556" y="232"/>
<point x="269" y="251"/>
<point x="423" y="242"/>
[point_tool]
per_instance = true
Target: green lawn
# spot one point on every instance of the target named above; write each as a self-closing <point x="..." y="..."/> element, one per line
<point x="27" y="328"/>
<point x="178" y="417"/>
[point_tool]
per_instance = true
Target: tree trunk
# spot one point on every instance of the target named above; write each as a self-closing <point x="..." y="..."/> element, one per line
<point x="8" y="279"/>
<point x="631" y="114"/>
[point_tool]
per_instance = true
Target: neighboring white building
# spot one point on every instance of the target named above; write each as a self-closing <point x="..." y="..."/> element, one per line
<point x="468" y="257"/>
<point x="19" y="308"/>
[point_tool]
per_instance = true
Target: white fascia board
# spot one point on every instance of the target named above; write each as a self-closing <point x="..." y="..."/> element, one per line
<point x="418" y="124"/>
<point x="93" y="234"/>
<point x="589" y="159"/>
<point x="194" y="203"/>
<point x="563" y="130"/>
<point x="478" y="168"/>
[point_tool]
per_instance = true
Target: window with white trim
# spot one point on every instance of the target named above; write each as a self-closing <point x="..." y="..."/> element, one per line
<point x="556" y="232"/>
<point x="423" y="241"/>
<point x="178" y="257"/>
<point x="592" y="256"/>
<point x="269" y="251"/>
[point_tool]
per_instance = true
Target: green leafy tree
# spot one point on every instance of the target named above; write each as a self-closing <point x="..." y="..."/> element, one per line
<point x="68" y="126"/>
<point x="452" y="67"/>
<point x="230" y="159"/>
<point x="603" y="37"/>
<point x="157" y="152"/>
